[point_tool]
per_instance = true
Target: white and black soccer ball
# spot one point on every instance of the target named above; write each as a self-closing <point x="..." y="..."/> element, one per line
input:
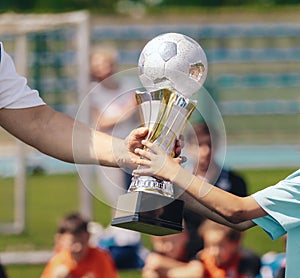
<point x="173" y="60"/>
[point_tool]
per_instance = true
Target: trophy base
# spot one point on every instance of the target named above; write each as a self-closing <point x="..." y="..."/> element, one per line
<point x="149" y="213"/>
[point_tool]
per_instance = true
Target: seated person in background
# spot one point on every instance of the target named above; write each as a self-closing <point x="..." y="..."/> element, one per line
<point x="168" y="252"/>
<point x="74" y="257"/>
<point x="2" y="271"/>
<point x="124" y="246"/>
<point x="202" y="143"/>
<point x="273" y="264"/>
<point x="113" y="111"/>
<point x="222" y="257"/>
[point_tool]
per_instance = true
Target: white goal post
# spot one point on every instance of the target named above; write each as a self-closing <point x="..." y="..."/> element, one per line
<point x="20" y="26"/>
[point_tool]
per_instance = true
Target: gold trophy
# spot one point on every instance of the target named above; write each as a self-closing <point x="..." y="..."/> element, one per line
<point x="172" y="68"/>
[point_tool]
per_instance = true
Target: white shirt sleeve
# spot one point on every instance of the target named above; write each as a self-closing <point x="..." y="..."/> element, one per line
<point x="14" y="91"/>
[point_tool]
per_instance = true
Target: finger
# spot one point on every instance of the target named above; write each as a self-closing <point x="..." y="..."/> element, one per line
<point x="147" y="144"/>
<point x="154" y="148"/>
<point x="143" y="153"/>
<point x="142" y="162"/>
<point x="178" y="159"/>
<point x="134" y="176"/>
<point x="141" y="132"/>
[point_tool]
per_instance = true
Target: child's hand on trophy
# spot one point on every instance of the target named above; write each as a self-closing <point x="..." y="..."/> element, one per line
<point x="156" y="162"/>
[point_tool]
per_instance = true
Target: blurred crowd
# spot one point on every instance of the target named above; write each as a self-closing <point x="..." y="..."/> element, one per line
<point x="79" y="251"/>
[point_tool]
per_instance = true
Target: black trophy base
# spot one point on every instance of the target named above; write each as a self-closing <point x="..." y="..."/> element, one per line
<point x="149" y="213"/>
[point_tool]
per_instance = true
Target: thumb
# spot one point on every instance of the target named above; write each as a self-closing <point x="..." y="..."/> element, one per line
<point x="141" y="132"/>
<point x="178" y="160"/>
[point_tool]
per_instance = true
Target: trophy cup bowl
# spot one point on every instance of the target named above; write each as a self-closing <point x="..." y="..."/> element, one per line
<point x="172" y="68"/>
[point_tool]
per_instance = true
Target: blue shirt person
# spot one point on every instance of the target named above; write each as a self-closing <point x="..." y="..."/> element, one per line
<point x="276" y="208"/>
<point x="282" y="204"/>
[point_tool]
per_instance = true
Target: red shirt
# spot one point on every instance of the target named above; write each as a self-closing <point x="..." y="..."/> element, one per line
<point x="96" y="264"/>
<point x="214" y="271"/>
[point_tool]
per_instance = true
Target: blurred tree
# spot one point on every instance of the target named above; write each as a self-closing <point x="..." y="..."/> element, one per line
<point x="220" y="3"/>
<point x="110" y="5"/>
<point x="55" y="5"/>
<point x="16" y="5"/>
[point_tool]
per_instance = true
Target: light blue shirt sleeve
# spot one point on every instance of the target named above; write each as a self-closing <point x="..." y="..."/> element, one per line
<point x="282" y="204"/>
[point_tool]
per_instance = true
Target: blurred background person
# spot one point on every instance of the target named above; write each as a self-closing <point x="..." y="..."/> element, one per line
<point x="2" y="271"/>
<point x="201" y="147"/>
<point x="221" y="257"/>
<point x="114" y="111"/>
<point x="273" y="263"/>
<point x="125" y="247"/>
<point x="74" y="257"/>
<point x="168" y="252"/>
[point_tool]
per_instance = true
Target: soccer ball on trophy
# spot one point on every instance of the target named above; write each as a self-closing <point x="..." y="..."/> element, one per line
<point x="172" y="67"/>
<point x="173" y="60"/>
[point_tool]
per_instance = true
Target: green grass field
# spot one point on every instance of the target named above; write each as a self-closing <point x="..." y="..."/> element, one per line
<point x="50" y="197"/>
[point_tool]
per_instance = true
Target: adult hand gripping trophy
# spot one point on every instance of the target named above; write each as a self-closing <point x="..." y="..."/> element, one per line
<point x="172" y="68"/>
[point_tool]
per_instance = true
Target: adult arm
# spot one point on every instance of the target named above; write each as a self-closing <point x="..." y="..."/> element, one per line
<point x="60" y="136"/>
